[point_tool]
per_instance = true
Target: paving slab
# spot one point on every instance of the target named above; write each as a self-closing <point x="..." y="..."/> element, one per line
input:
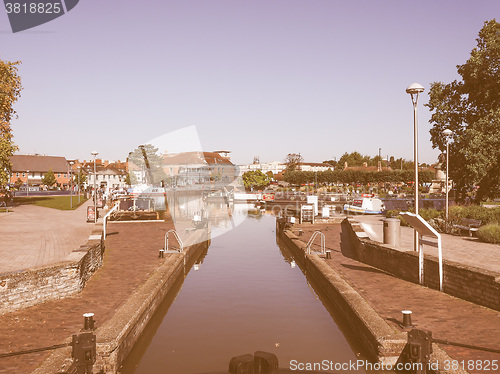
<point x="33" y="236"/>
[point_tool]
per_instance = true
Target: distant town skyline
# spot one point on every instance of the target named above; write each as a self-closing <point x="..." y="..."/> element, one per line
<point x="258" y="78"/>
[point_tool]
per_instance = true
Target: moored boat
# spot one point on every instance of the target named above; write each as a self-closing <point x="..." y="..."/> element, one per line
<point x="368" y="204"/>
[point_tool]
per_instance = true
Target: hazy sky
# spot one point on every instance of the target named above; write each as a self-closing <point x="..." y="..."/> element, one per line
<point x="259" y="78"/>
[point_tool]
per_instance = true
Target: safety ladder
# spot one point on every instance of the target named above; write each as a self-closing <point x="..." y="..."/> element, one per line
<point x="309" y="243"/>
<point x="165" y="248"/>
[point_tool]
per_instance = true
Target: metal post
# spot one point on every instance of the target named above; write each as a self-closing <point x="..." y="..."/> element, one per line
<point x="420" y="260"/>
<point x="447" y="168"/>
<point x="95" y="193"/>
<point x="414" y="89"/>
<point x="70" y="184"/>
<point x="79" y="192"/>
<point x="415" y="157"/>
<point x="94" y="153"/>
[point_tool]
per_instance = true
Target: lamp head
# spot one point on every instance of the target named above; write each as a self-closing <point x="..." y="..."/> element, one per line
<point x="94" y="153"/>
<point x="447" y="133"/>
<point x="414" y="88"/>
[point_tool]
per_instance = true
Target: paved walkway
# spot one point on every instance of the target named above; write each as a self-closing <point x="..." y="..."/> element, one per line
<point x="448" y="318"/>
<point x="461" y="249"/>
<point x="32" y="236"/>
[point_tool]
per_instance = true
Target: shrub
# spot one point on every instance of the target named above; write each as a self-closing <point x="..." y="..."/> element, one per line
<point x="430" y="213"/>
<point x="433" y="216"/>
<point x="489" y="233"/>
<point x="485" y="215"/>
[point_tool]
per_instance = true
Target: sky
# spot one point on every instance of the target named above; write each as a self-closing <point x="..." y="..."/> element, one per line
<point x="257" y="78"/>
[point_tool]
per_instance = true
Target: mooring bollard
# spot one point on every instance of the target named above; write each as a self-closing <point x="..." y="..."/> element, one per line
<point x="241" y="364"/>
<point x="258" y="363"/>
<point x="84" y="346"/>
<point x="88" y="324"/>
<point x="407" y="319"/>
<point x="419" y="350"/>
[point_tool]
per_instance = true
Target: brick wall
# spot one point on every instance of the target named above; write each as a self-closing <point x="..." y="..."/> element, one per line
<point x="22" y="289"/>
<point x="466" y="282"/>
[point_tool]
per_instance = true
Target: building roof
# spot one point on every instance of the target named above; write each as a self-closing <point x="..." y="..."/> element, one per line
<point x="195" y="158"/>
<point x="322" y="164"/>
<point x="37" y="163"/>
<point x="368" y="168"/>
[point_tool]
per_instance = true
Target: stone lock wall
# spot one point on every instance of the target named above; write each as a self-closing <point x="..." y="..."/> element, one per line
<point x="25" y="288"/>
<point x="466" y="282"/>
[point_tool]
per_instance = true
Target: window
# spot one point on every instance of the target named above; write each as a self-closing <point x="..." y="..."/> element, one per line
<point x="17" y="175"/>
<point x="58" y="175"/>
<point x="24" y="175"/>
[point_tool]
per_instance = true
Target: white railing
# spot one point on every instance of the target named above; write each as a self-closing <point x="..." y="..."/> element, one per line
<point x="106" y="217"/>
<point x="309" y="243"/>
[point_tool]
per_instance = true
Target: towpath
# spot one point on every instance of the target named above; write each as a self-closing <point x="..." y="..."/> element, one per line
<point x="449" y="318"/>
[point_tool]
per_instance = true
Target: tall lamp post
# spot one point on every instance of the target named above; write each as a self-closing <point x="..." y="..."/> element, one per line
<point x="27" y="182"/>
<point x="95" y="153"/>
<point x="79" y="192"/>
<point x="70" y="184"/>
<point x="447" y="134"/>
<point x="414" y="89"/>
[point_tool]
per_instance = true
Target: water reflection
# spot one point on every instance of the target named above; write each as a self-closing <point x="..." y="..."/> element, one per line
<point x="243" y="299"/>
<point x="193" y="210"/>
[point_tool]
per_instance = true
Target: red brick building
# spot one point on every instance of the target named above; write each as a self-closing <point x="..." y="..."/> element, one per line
<point x="32" y="168"/>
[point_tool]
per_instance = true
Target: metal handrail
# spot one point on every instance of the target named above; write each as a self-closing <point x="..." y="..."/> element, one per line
<point x="177" y="237"/>
<point x="309" y="243"/>
<point x="106" y="217"/>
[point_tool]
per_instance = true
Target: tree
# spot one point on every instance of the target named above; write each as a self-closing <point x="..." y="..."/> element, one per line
<point x="128" y="180"/>
<point x="334" y="163"/>
<point x="10" y="91"/>
<point x="147" y="157"/>
<point x="255" y="179"/>
<point x="353" y="159"/>
<point x="79" y="179"/>
<point x="293" y="161"/>
<point x="49" y="179"/>
<point x="18" y="183"/>
<point x="471" y="109"/>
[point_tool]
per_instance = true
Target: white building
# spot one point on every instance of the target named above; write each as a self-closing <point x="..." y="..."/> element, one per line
<point x="278" y="167"/>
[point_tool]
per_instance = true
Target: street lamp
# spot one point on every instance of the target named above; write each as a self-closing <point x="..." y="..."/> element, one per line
<point x="70" y="184"/>
<point x="79" y="192"/>
<point x="447" y="134"/>
<point x="27" y="182"/>
<point x="95" y="153"/>
<point x="414" y="89"/>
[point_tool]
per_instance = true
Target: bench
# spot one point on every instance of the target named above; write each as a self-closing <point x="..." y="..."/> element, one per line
<point x="7" y="208"/>
<point x="469" y="225"/>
